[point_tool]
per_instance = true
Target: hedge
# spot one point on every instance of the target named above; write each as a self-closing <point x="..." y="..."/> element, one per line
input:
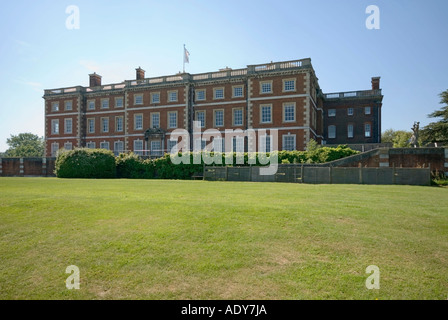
<point x="85" y="163"/>
<point x="97" y="163"/>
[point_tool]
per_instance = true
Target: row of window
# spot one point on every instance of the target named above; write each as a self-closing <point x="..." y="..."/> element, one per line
<point x="350" y="131"/>
<point x="350" y="111"/>
<point x="289" y="85"/>
<point x="216" y="145"/>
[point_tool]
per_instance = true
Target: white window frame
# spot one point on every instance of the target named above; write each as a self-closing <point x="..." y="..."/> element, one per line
<point x="172" y="146"/>
<point x="89" y="127"/>
<point x="105" y="103"/>
<point x="262" y="86"/>
<point x="103" y="144"/>
<point x="263" y="148"/>
<point x="350" y="130"/>
<point x="117" y="122"/>
<point x="54" y="149"/>
<point x="367" y="110"/>
<point x="67" y="104"/>
<point x="263" y="106"/>
<point x="216" y="91"/>
<point x="197" y="117"/>
<point x="54" y="106"/>
<point x="138" y="99"/>
<point x="118" y="147"/>
<point x="289" y="105"/>
<point x="140" y="149"/>
<point x="105" y="124"/>
<point x="155" y="95"/>
<point x="234" y="88"/>
<point x="138" y="125"/>
<point x="215" y="118"/>
<point x="331" y="113"/>
<point x="156" y="150"/>
<point x="197" y="95"/>
<point x="90" y="104"/>
<point x="116" y="102"/>
<point x="331" y="132"/>
<point x="170" y="113"/>
<point x="284" y="142"/>
<point x="286" y="82"/>
<point x="66" y="127"/>
<point x="153" y="114"/>
<point x="55" y="126"/>
<point x="234" y="110"/>
<point x="68" y="146"/>
<point x="350" y="111"/>
<point x="367" y="133"/>
<point x="172" y="98"/>
<point x="91" y="145"/>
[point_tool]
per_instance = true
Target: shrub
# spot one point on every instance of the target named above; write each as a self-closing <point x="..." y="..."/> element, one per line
<point x="131" y="166"/>
<point x="85" y="163"/>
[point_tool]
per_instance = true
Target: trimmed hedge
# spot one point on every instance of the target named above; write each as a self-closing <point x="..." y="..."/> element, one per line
<point x="98" y="163"/>
<point x="85" y="163"/>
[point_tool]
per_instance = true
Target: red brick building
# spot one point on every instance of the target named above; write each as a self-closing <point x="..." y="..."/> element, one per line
<point x="140" y="115"/>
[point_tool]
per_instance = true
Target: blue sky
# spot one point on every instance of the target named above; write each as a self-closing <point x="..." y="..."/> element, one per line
<point x="38" y="52"/>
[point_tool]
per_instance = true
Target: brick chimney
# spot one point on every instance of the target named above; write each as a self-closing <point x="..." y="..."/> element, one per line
<point x="140" y="73"/>
<point x="376" y="83"/>
<point x="95" y="80"/>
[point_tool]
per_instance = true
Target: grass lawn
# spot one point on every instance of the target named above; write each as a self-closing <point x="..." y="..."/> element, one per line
<point x="155" y="239"/>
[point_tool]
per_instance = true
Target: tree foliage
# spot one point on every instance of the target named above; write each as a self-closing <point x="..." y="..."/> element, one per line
<point x="399" y="138"/>
<point x="438" y="131"/>
<point x="25" y="145"/>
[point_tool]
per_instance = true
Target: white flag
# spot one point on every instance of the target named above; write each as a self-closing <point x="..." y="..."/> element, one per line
<point x="186" y="56"/>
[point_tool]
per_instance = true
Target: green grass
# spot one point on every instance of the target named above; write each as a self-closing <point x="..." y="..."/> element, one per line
<point x="153" y="239"/>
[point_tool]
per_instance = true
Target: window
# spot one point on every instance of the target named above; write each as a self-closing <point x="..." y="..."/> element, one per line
<point x="54" y="149"/>
<point x="138" y="99"/>
<point x="138" y="122"/>
<point x="289" y="85"/>
<point x="119" y="102"/>
<point x="155" y="97"/>
<point x="91" y="104"/>
<point x="172" y="96"/>
<point x="104" y="103"/>
<point x="105" y="124"/>
<point x="238" y="144"/>
<point x="238" y="92"/>
<point x="118" y="147"/>
<point x="55" y="126"/>
<point x="367" y="130"/>
<point x="332" y="112"/>
<point x="68" y="146"/>
<point x="265" y="143"/>
<point x="289" y="142"/>
<point x="155" y="120"/>
<point x="367" y="110"/>
<point x="350" y="131"/>
<point x="266" y="114"/>
<point x="91" y="125"/>
<point x="218" y="93"/>
<point x="200" y="116"/>
<point x="138" y="147"/>
<point x="68" y="127"/>
<point x="55" y="106"/>
<point x="331" y="132"/>
<point x="219" y="118"/>
<point x="350" y="111"/>
<point x="68" y="105"/>
<point x="172" y="146"/>
<point x="172" y="120"/>
<point x="91" y="145"/>
<point x="218" y="144"/>
<point x="156" y="148"/>
<point x="119" y="124"/>
<point x="238" y="117"/>
<point x="200" y="95"/>
<point x="104" y="145"/>
<point x="289" y="112"/>
<point x="266" y="87"/>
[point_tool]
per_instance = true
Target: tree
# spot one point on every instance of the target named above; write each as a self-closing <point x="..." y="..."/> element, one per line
<point x="25" y="145"/>
<point x="399" y="138"/>
<point x="438" y="131"/>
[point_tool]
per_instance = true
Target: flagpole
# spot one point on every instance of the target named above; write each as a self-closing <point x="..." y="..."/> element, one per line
<point x="184" y="58"/>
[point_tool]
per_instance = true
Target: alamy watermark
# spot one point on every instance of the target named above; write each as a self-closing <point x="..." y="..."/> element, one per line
<point x="373" y="20"/>
<point x="72" y="282"/>
<point x="373" y="281"/>
<point x="73" y="20"/>
<point x="232" y="142"/>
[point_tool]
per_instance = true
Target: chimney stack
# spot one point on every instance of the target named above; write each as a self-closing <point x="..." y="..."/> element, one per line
<point x="140" y="73"/>
<point x="376" y="83"/>
<point x="95" y="80"/>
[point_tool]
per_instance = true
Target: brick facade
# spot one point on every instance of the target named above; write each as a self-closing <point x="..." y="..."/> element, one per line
<point x="140" y="115"/>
